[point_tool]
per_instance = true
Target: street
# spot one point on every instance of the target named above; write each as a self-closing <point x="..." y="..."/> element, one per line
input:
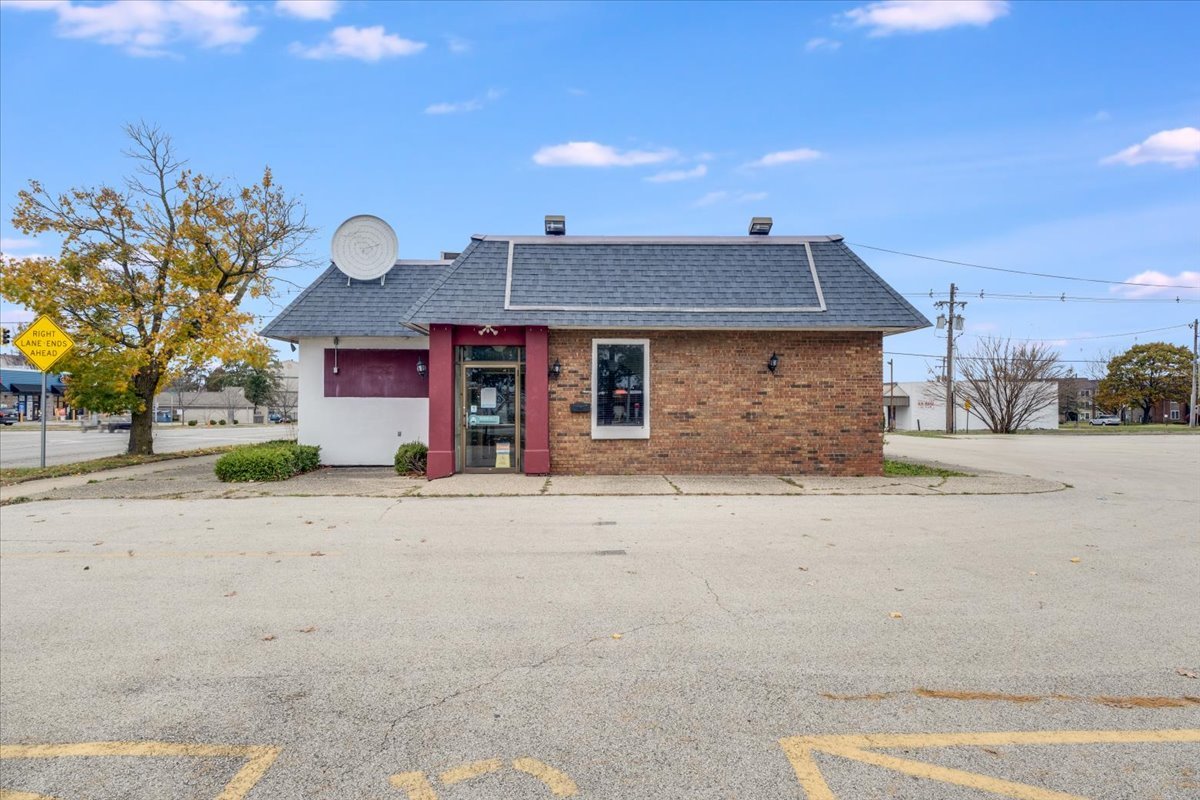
<point x="67" y="444"/>
<point x="1041" y="646"/>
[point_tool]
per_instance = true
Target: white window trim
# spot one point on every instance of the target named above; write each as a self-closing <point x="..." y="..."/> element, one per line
<point x="622" y="431"/>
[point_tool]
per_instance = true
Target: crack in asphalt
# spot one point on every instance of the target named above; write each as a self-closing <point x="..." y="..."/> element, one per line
<point x="536" y="665"/>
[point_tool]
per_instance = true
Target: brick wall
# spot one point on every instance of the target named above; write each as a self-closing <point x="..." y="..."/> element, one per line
<point x="715" y="408"/>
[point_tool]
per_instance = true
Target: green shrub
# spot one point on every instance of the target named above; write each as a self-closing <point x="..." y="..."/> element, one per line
<point x="411" y="458"/>
<point x="192" y="422"/>
<point x="212" y="422"/>
<point x="235" y="422"/>
<point x="269" y="461"/>
<point x="222" y="422"/>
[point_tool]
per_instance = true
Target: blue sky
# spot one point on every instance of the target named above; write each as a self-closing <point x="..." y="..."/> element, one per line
<point x="1049" y="137"/>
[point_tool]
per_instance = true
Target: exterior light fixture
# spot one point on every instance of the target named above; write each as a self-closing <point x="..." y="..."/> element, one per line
<point x="556" y="225"/>
<point x="422" y="370"/>
<point x="293" y="347"/>
<point x="941" y="321"/>
<point x="773" y="363"/>
<point x="555" y="369"/>
<point x="760" y="226"/>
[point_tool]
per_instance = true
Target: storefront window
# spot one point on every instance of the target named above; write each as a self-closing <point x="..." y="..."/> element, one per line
<point x="620" y="389"/>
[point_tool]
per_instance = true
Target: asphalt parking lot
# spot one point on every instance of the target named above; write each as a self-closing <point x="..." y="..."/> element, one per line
<point x="21" y="447"/>
<point x="1041" y="646"/>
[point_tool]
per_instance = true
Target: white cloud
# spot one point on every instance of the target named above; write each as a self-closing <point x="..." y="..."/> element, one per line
<point x="821" y="43"/>
<point x="458" y="45"/>
<point x="722" y="196"/>
<point x="364" y="44"/>
<point x="594" y="154"/>
<point x="1100" y="116"/>
<point x="1179" y="148"/>
<point x="670" y="176"/>
<point x="576" y="92"/>
<point x="1161" y="281"/>
<point x="919" y="16"/>
<point x="150" y="27"/>
<point x="307" y="9"/>
<point x="474" y="104"/>
<point x="786" y="157"/>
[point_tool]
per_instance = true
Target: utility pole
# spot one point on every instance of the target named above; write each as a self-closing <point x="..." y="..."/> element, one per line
<point x="1195" y="326"/>
<point x="952" y="320"/>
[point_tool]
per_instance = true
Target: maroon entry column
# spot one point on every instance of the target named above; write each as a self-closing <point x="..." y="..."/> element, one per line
<point x="537" y="401"/>
<point x="441" y="402"/>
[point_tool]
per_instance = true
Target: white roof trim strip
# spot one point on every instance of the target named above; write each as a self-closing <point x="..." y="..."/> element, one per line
<point x="812" y="268"/>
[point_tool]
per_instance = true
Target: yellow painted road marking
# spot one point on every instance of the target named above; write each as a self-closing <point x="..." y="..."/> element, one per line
<point x="557" y="781"/>
<point x="472" y="770"/>
<point x="414" y="783"/>
<point x="800" y="749"/>
<point x="10" y="794"/>
<point x="125" y="554"/>
<point x="258" y="758"/>
<point x="418" y="787"/>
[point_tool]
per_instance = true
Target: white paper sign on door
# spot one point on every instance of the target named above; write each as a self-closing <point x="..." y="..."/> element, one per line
<point x="487" y="397"/>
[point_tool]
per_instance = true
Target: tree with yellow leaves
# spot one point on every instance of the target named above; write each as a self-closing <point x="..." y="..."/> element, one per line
<point x="151" y="276"/>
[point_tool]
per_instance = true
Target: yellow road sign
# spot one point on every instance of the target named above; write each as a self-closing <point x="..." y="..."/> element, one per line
<point x="44" y="343"/>
<point x="967" y="405"/>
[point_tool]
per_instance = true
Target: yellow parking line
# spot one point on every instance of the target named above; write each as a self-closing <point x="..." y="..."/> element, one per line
<point x="10" y="794"/>
<point x="800" y="749"/>
<point x="415" y="784"/>
<point x="258" y="758"/>
<point x="557" y="781"/>
<point x="472" y="770"/>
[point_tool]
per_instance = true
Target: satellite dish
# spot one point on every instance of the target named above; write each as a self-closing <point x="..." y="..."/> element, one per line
<point x="364" y="247"/>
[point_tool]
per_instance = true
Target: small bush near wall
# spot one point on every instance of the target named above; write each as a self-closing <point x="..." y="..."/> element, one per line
<point x="411" y="458"/>
<point x="222" y="422"/>
<point x="235" y="422"/>
<point x="191" y="423"/>
<point x="212" y="422"/>
<point x="270" y="461"/>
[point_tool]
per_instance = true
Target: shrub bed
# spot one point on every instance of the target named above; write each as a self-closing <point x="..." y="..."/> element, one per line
<point x="270" y="461"/>
<point x="411" y="458"/>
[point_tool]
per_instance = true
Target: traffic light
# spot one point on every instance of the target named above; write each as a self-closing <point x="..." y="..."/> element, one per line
<point x="7" y="337"/>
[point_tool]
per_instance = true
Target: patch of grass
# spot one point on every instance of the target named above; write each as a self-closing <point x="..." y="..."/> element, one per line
<point x="13" y="475"/>
<point x="909" y="469"/>
<point x="922" y="434"/>
<point x="1134" y="429"/>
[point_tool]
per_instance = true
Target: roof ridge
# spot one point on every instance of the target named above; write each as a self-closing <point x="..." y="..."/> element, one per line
<point x="454" y="266"/>
<point x="680" y="239"/>
<point x="887" y="287"/>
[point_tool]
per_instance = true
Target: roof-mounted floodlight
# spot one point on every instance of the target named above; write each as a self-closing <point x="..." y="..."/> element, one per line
<point x="556" y="225"/>
<point x="760" y="226"/>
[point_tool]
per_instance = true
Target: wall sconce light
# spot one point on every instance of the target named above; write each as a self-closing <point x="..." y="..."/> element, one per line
<point x="422" y="370"/>
<point x="293" y="347"/>
<point x="773" y="363"/>
<point x="555" y="369"/>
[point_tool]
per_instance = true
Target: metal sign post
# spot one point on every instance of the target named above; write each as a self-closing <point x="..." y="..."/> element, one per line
<point x="44" y="343"/>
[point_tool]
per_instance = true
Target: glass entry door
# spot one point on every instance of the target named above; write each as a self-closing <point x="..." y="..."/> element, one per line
<point x="491" y="418"/>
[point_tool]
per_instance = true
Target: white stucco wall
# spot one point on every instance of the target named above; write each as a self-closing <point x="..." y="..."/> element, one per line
<point x="356" y="431"/>
<point x="927" y="405"/>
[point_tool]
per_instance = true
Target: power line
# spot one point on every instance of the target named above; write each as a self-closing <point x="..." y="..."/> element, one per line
<point x="1083" y="338"/>
<point x="984" y="358"/>
<point x="1021" y="271"/>
<point x="1057" y="298"/>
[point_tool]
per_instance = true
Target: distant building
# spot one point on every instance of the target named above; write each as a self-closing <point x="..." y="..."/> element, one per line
<point x="22" y="389"/>
<point x="921" y="406"/>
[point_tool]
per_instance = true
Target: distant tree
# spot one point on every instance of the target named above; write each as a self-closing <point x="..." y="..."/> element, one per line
<point x="1146" y="374"/>
<point x="152" y="274"/>
<point x="1008" y="384"/>
<point x="259" y="384"/>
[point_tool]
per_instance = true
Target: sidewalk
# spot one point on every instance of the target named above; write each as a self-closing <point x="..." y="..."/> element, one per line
<point x="193" y="478"/>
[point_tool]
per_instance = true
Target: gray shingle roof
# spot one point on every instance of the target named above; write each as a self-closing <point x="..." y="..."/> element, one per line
<point x="696" y="282"/>
<point x="333" y="305"/>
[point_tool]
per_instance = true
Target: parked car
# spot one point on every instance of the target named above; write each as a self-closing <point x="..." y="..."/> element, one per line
<point x="1106" y="419"/>
<point x="275" y="416"/>
<point x="9" y="416"/>
<point x="114" y="424"/>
